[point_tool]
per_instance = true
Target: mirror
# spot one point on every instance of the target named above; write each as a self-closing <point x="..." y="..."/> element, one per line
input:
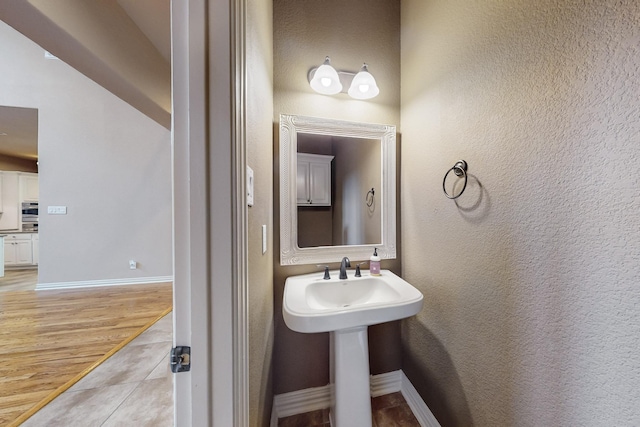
<point x="345" y="173"/>
<point x="337" y="190"/>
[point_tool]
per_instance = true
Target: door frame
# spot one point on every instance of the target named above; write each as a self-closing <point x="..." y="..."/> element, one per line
<point x="210" y="213"/>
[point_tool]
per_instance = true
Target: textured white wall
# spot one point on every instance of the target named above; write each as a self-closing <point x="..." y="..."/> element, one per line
<point x="531" y="281"/>
<point x="104" y="160"/>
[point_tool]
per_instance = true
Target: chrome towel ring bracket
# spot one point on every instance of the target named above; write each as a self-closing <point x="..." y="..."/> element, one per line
<point x="460" y="169"/>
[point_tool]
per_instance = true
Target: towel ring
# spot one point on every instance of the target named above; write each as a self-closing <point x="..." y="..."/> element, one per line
<point x="460" y="169"/>
<point x="370" y="197"/>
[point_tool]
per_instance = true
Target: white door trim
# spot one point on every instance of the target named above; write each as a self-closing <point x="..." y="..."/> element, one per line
<point x="241" y="272"/>
<point x="191" y="299"/>
<point x="210" y="311"/>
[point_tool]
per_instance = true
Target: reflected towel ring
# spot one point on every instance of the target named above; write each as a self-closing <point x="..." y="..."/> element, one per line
<point x="369" y="198"/>
<point x="460" y="169"/>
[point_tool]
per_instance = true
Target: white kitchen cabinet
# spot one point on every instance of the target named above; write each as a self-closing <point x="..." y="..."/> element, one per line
<point x="10" y="216"/>
<point x="1" y="256"/>
<point x="29" y="187"/>
<point x="314" y="180"/>
<point x="18" y="249"/>
<point x="15" y="188"/>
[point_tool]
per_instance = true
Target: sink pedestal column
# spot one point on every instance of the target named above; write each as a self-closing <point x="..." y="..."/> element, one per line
<point x="351" y="393"/>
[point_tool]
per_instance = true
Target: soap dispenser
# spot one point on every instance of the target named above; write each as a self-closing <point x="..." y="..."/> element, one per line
<point x="374" y="263"/>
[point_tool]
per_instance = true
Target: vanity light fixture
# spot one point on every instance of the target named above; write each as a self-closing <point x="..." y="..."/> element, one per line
<point x="363" y="85"/>
<point x="327" y="81"/>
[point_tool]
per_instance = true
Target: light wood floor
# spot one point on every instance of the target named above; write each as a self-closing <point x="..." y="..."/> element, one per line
<point x="51" y="339"/>
<point x="24" y="279"/>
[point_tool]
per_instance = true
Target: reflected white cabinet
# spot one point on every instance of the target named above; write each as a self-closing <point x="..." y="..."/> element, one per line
<point x="18" y="249"/>
<point x="314" y="180"/>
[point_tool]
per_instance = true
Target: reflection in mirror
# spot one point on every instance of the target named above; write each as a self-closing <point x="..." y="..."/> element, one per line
<point x="354" y="169"/>
<point x="337" y="190"/>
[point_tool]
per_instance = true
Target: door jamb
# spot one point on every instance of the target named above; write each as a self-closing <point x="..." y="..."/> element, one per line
<point x="210" y="213"/>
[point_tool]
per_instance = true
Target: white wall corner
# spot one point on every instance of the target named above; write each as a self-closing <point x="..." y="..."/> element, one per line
<point x="312" y="399"/>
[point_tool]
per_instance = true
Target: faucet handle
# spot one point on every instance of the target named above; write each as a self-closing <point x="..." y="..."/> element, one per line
<point x="326" y="271"/>
<point x="358" y="268"/>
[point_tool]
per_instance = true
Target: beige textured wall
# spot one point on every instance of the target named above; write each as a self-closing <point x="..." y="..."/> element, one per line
<point x="304" y="33"/>
<point x="259" y="58"/>
<point x="531" y="280"/>
<point x="351" y="33"/>
<point x="104" y="160"/>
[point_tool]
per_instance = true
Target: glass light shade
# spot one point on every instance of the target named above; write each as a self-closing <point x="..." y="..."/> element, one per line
<point x="326" y="80"/>
<point x="363" y="85"/>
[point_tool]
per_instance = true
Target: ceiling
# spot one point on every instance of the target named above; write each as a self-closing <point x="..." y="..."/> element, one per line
<point x="153" y="17"/>
<point x="123" y="45"/>
<point x="19" y="132"/>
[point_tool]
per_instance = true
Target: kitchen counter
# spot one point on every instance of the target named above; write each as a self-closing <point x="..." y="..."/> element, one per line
<point x="7" y="232"/>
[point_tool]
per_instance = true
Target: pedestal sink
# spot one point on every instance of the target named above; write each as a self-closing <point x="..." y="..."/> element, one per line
<point x="345" y="308"/>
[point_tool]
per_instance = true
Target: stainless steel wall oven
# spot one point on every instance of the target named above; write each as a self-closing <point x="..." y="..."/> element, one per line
<point x="29" y="216"/>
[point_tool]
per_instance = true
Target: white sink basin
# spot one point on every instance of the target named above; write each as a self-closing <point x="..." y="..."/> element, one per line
<point x="312" y="304"/>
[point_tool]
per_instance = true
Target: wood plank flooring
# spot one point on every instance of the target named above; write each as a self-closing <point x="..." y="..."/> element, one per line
<point x="50" y="339"/>
<point x="19" y="280"/>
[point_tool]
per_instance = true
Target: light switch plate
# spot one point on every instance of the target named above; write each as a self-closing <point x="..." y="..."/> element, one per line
<point x="57" y="210"/>
<point x="264" y="239"/>
<point x="249" y="186"/>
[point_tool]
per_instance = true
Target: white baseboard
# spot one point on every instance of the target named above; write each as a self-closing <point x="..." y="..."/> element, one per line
<point x="312" y="399"/>
<point x="301" y="401"/>
<point x="418" y="407"/>
<point x="105" y="282"/>
<point x="389" y="382"/>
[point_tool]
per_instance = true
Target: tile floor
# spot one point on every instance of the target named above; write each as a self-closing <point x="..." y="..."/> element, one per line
<point x="132" y="388"/>
<point x="390" y="410"/>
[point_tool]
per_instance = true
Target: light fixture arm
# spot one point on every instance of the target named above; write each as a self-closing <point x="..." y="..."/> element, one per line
<point x="346" y="77"/>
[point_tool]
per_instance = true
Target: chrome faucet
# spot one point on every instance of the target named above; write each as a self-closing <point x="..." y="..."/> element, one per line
<point x="343" y="267"/>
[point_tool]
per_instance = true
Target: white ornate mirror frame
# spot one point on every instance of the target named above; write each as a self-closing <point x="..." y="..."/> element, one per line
<point x="290" y="252"/>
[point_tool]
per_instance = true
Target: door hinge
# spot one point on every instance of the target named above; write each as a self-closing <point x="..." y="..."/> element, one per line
<point x="180" y="359"/>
